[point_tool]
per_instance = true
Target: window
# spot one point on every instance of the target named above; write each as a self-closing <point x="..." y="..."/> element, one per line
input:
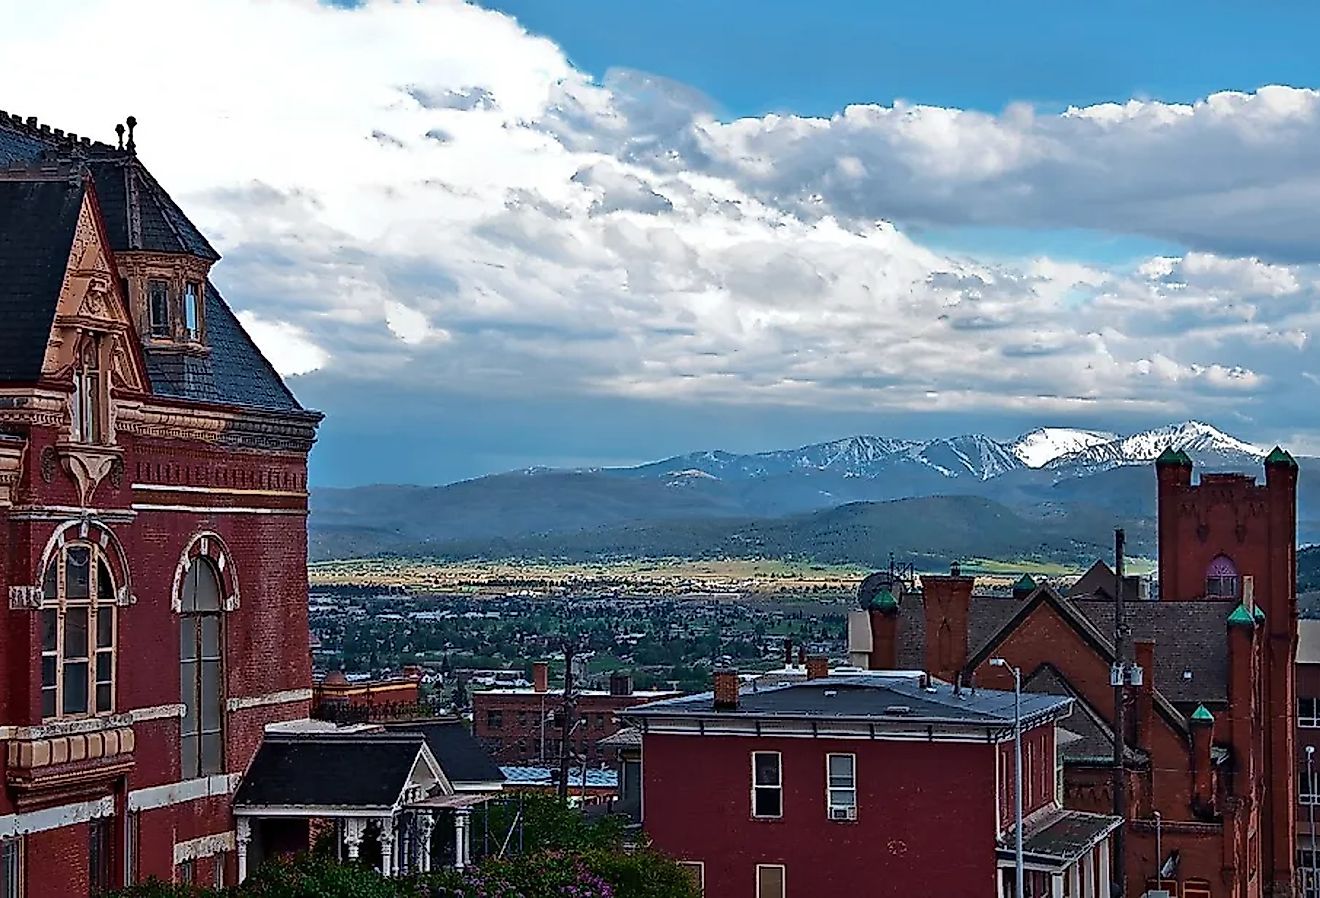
<point x="1221" y="578"/>
<point x="767" y="785"/>
<point x="1307" y="874"/>
<point x="77" y="634"/>
<point x="495" y="720"/>
<point x="130" y="848"/>
<point x="201" y="688"/>
<point x="841" y="784"/>
<point x="158" y="302"/>
<point x="218" y="864"/>
<point x="1308" y="786"/>
<point x="11" y="868"/>
<point x="98" y="856"/>
<point x="770" y="881"/>
<point x="192" y="297"/>
<point x="1308" y="712"/>
<point x="88" y="394"/>
<point x="1196" y="888"/>
<point x="697" y="871"/>
<point x="187" y="872"/>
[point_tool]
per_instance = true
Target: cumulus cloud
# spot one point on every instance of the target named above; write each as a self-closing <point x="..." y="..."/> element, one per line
<point x="427" y="189"/>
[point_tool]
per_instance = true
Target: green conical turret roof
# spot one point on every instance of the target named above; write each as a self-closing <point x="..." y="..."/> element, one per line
<point x="1241" y="617"/>
<point x="1202" y="715"/>
<point x="884" y="601"/>
<point x="1172" y="456"/>
<point x="1279" y="456"/>
<point x="1025" y="583"/>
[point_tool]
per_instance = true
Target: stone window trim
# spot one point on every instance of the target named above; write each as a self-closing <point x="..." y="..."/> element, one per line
<point x="86" y="530"/>
<point x="139" y="270"/>
<point x="210" y="545"/>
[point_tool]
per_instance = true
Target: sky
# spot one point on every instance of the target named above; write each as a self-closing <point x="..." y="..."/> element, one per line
<point x="594" y="233"/>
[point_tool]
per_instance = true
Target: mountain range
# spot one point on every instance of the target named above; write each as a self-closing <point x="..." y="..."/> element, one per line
<point x="1052" y="493"/>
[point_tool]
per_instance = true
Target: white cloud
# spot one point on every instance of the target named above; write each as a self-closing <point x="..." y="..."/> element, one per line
<point x="426" y="187"/>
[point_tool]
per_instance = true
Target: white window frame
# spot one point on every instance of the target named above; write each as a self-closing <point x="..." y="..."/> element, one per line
<point x="830" y="788"/>
<point x="783" y="880"/>
<point x="59" y="605"/>
<point x="1308" y="887"/>
<point x="1308" y="720"/>
<point x="11" y="880"/>
<point x="1307" y="795"/>
<point x="778" y="787"/>
<point x="698" y="867"/>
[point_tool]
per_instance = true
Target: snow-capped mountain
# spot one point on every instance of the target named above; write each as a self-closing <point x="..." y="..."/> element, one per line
<point x="1205" y="443"/>
<point x="1066" y="452"/>
<point x="1037" y="448"/>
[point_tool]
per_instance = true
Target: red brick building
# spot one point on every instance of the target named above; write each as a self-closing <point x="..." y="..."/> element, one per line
<point x="524" y="725"/>
<point x="1208" y="749"/>
<point x="862" y="784"/>
<point x="153" y="477"/>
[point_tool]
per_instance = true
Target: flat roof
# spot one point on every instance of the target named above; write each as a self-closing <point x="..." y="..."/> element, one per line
<point x="875" y="699"/>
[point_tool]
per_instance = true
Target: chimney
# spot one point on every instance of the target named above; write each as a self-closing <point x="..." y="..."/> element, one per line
<point x="1144" y="657"/>
<point x="788" y="651"/>
<point x="540" y="676"/>
<point x="802" y="656"/>
<point x="818" y="667"/>
<point x="947" y="602"/>
<point x="726" y="690"/>
<point x="1203" y="730"/>
<point x="620" y="683"/>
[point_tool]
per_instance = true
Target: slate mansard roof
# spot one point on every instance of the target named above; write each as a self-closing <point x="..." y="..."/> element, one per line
<point x="36" y="228"/>
<point x="37" y="223"/>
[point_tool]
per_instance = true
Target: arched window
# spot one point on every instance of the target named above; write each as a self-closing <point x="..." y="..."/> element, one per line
<point x="201" y="685"/>
<point x="77" y="633"/>
<point x="1221" y="578"/>
<point x="89" y="393"/>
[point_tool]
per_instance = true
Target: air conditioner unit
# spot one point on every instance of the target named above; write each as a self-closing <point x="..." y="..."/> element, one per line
<point x="843" y="813"/>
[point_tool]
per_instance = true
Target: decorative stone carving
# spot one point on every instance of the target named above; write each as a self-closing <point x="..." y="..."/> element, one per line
<point x="24" y="598"/>
<point x="11" y="467"/>
<point x="117" y="473"/>
<point x="88" y="466"/>
<point x="50" y="462"/>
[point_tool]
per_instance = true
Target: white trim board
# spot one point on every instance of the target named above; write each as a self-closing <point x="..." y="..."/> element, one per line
<point x="56" y="817"/>
<point x="182" y="792"/>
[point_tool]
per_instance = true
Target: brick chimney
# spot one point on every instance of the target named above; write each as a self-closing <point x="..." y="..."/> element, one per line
<point x="788" y="651"/>
<point x="802" y="656"/>
<point x="1143" y="651"/>
<point x="947" y="601"/>
<point x="726" y="690"/>
<point x="621" y="683"/>
<point x="818" y="667"/>
<point x="540" y="676"/>
<point x="1203" y="730"/>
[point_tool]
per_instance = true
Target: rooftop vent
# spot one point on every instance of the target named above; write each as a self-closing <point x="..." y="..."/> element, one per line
<point x="898" y="710"/>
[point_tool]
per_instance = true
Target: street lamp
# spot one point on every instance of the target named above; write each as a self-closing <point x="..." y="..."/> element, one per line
<point x="1019" y="891"/>
<point x="1310" y="812"/>
<point x="1159" y="851"/>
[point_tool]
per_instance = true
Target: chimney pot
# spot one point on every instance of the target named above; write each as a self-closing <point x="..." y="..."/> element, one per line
<point x="540" y="676"/>
<point x="818" y="667"/>
<point x="726" y="690"/>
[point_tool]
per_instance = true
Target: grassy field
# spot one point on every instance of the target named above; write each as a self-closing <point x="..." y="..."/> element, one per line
<point x="657" y="576"/>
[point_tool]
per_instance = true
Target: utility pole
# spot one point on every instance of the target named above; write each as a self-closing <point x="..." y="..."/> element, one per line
<point x="1121" y="633"/>
<point x="566" y="719"/>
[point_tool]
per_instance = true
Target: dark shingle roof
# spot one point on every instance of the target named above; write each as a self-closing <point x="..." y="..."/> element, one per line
<point x="359" y="771"/>
<point x="1190" y="637"/>
<point x="462" y="758"/>
<point x="234" y="373"/>
<point x="37" y="223"/>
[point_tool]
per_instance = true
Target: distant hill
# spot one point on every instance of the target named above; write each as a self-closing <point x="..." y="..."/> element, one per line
<point x="1049" y="493"/>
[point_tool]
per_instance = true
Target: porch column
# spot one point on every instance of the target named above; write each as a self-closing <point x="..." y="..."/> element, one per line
<point x="1056" y="885"/>
<point x="425" y="824"/>
<point x="1075" y="880"/>
<point x="1088" y="874"/>
<point x="242" y="838"/>
<point x="353" y="828"/>
<point x="386" y="846"/>
<point x="461" y="838"/>
<point x="1103" y="850"/>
